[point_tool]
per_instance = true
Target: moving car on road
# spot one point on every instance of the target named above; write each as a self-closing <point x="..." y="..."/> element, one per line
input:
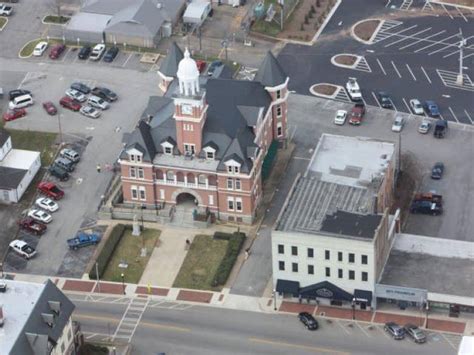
<point x="340" y="118"/>
<point x="40" y="215"/>
<point x="56" y="51"/>
<point x="25" y="250"/>
<point x="51" y="190"/>
<point x="431" y="108"/>
<point x="437" y="171"/>
<point x="70" y="104"/>
<point x="416" y="107"/>
<point x="14" y="114"/>
<point x="30" y="225"/>
<point x="47" y="204"/>
<point x="357" y="114"/>
<point x="398" y="124"/>
<point x="76" y="95"/>
<point x="111" y="54"/>
<point x="308" y="320"/>
<point x="424" y="127"/>
<point x="104" y="93"/>
<point x="97" y="52"/>
<point x="90" y="111"/>
<point x="40" y="48"/>
<point x="84" y="52"/>
<point x="384" y="99"/>
<point x="83" y="240"/>
<point x="353" y="89"/>
<point x="415" y="333"/>
<point x="81" y="87"/>
<point x="50" y="108"/>
<point x="396" y="331"/>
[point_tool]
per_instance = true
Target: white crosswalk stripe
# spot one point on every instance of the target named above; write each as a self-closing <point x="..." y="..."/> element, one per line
<point x="131" y="318"/>
<point x="383" y="31"/>
<point x="342" y="96"/>
<point x="405" y="6"/>
<point x="362" y="65"/>
<point x="449" y="79"/>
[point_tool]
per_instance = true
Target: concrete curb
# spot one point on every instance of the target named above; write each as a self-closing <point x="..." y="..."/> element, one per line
<point x="5" y="24"/>
<point x="53" y="23"/>
<point x="27" y="43"/>
<point x="326" y="20"/>
<point x="353" y="66"/>
<point x="324" y="96"/>
<point x="370" y="41"/>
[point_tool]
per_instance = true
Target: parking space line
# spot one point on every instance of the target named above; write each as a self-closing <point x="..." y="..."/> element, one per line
<point x="383" y="331"/>
<point x="469" y="55"/>
<point x="460" y="13"/>
<point x="442" y="49"/>
<point x="436" y="42"/>
<point x="448" y="341"/>
<point x="343" y="328"/>
<point x="381" y="67"/>
<point x="469" y="116"/>
<point x="409" y="69"/>
<point x="126" y="60"/>
<point x="441" y="116"/>
<point x="406" y="29"/>
<point x="65" y="54"/>
<point x="452" y="113"/>
<point x="452" y="53"/>
<point x="375" y="98"/>
<point x="424" y="72"/>
<point x="363" y="330"/>
<point x="406" y="104"/>
<point x="449" y="14"/>
<point x="396" y="69"/>
<point x="409" y="37"/>
<point x="422" y="39"/>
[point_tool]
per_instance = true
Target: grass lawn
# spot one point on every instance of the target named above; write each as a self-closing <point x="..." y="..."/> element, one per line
<point x="128" y="250"/>
<point x="27" y="50"/>
<point x="32" y="140"/>
<point x="267" y="28"/>
<point x="56" y="19"/>
<point x="201" y="263"/>
<point x="3" y="22"/>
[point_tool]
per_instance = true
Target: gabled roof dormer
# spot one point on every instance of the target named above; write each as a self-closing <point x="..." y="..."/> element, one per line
<point x="168" y="144"/>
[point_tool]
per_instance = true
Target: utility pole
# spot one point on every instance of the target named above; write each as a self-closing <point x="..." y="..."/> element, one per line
<point x="97" y="275"/>
<point x="60" y="130"/>
<point x="462" y="43"/>
<point x="282" y="12"/>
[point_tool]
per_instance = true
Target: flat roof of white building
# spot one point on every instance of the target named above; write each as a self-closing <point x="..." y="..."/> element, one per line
<point x="17" y="305"/>
<point x="19" y="159"/>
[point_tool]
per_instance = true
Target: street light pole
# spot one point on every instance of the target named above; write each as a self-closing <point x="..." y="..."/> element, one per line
<point x="274" y="300"/>
<point x="60" y="130"/>
<point x="123" y="282"/>
<point x="462" y="43"/>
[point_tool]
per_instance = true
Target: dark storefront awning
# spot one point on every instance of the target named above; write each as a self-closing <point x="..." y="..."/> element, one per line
<point x="325" y="289"/>
<point x="363" y="296"/>
<point x="286" y="286"/>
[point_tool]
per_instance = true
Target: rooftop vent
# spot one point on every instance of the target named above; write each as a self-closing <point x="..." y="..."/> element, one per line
<point x="55" y="306"/>
<point x="48" y="318"/>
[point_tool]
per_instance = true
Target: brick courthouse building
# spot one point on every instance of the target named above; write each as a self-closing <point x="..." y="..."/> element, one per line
<point x="205" y="141"/>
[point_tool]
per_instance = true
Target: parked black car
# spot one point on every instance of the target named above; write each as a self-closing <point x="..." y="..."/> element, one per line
<point x="384" y="99"/>
<point x="213" y="66"/>
<point x="84" y="52"/>
<point x="111" y="54"/>
<point x="81" y="87"/>
<point x="415" y="333"/>
<point x="104" y="93"/>
<point x="308" y="320"/>
<point x="396" y="331"/>
<point x="426" y="207"/>
<point x="437" y="171"/>
<point x="58" y="172"/>
<point x="440" y="129"/>
<point x="18" y="92"/>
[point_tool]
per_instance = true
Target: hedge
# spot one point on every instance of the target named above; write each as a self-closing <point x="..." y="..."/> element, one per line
<point x="236" y="240"/>
<point x="107" y="250"/>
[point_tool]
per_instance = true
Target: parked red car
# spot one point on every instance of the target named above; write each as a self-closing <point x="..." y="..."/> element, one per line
<point x="201" y="65"/>
<point x="50" y="108"/>
<point x="30" y="225"/>
<point x="11" y="115"/>
<point x="56" y="51"/>
<point x="51" y="190"/>
<point x="69" y="103"/>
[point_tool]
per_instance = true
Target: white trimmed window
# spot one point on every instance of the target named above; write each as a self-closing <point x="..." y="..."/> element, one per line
<point x="141" y="173"/>
<point x="279" y="129"/>
<point x="139" y="158"/>
<point x="238" y="184"/>
<point x="133" y="172"/>
<point x="168" y="150"/>
<point x="188" y="127"/>
<point x="278" y="94"/>
<point x="230" y="203"/>
<point x="189" y="148"/>
<point x="142" y="192"/>
<point x="202" y="179"/>
<point x="134" y="192"/>
<point x="169" y="175"/>
<point x="210" y="155"/>
<point x="279" y="111"/>
<point x="230" y="184"/>
<point x="230" y="169"/>
<point x="236" y="169"/>
<point x="211" y="200"/>
<point x="238" y="204"/>
<point x="162" y="194"/>
<point x="132" y="157"/>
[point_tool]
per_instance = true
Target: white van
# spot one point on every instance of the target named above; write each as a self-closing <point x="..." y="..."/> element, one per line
<point x="21" y="101"/>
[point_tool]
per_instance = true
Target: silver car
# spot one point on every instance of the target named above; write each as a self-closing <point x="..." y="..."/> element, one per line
<point x="90" y="111"/>
<point x="424" y="127"/>
<point x="416" y="107"/>
<point x="76" y="95"/>
<point x="97" y="102"/>
<point x="415" y="333"/>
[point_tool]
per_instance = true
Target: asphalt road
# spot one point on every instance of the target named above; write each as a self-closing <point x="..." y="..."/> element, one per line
<point x="415" y="56"/>
<point x="207" y="330"/>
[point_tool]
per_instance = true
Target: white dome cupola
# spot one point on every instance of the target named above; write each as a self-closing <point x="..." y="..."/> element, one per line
<point x="188" y="75"/>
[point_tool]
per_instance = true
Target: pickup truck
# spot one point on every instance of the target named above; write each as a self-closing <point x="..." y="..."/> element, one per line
<point x="25" y="250"/>
<point x="51" y="190"/>
<point x="32" y="226"/>
<point x="357" y="114"/>
<point x="440" y="129"/>
<point x="83" y="240"/>
<point x="429" y="196"/>
<point x="5" y="10"/>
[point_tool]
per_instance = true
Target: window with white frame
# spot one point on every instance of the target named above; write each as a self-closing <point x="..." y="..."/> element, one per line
<point x="278" y="94"/>
<point x="279" y="111"/>
<point x="279" y="129"/>
<point x="132" y="157"/>
<point x="238" y="204"/>
<point x="238" y="184"/>
<point x="141" y="173"/>
<point x="211" y="200"/>
<point x="168" y="150"/>
<point x="141" y="189"/>
<point x="188" y="127"/>
<point x="134" y="191"/>
<point x="133" y="172"/>
<point x="189" y="148"/>
<point x="202" y="179"/>
<point x="139" y="158"/>
<point x="230" y="169"/>
<point x="230" y="184"/>
<point x="169" y="175"/>
<point x="236" y="169"/>
<point x="210" y="155"/>
<point x="162" y="194"/>
<point x="230" y="203"/>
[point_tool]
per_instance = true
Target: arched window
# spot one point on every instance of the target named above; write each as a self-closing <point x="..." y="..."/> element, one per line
<point x="202" y="179"/>
<point x="169" y="175"/>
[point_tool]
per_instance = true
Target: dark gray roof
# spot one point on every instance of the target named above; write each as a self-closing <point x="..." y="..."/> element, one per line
<point x="223" y="72"/>
<point x="351" y="224"/>
<point x="169" y="66"/>
<point x="270" y="73"/>
<point x="155" y="104"/>
<point x="250" y="113"/>
<point x="105" y="7"/>
<point x="36" y="334"/>
<point x="4" y="135"/>
<point x="10" y="178"/>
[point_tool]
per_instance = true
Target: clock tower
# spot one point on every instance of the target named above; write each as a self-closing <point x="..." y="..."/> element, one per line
<point x="190" y="107"/>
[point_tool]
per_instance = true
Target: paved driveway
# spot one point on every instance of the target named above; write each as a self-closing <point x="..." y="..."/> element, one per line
<point x="100" y="139"/>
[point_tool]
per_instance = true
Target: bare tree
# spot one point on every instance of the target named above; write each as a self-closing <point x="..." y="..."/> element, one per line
<point x="57" y="5"/>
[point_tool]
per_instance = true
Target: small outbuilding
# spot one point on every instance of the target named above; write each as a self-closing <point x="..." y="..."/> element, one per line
<point x="197" y="12"/>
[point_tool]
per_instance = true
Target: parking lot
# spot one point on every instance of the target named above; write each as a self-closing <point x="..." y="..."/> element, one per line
<point x="414" y="54"/>
<point x="99" y="140"/>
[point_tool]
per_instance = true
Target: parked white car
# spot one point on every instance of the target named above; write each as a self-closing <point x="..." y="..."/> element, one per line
<point x="340" y="118"/>
<point x="424" y="126"/>
<point x="40" y="215"/>
<point x="398" y="124"/>
<point x="76" y="95"/>
<point x="40" y="48"/>
<point x="97" y="52"/>
<point x="416" y="107"/>
<point x="90" y="111"/>
<point x="97" y="102"/>
<point x="47" y="204"/>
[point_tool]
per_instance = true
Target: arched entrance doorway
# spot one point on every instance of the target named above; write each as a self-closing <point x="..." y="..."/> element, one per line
<point x="186" y="199"/>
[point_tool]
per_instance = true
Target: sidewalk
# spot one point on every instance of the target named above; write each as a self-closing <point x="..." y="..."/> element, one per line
<point x="224" y="299"/>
